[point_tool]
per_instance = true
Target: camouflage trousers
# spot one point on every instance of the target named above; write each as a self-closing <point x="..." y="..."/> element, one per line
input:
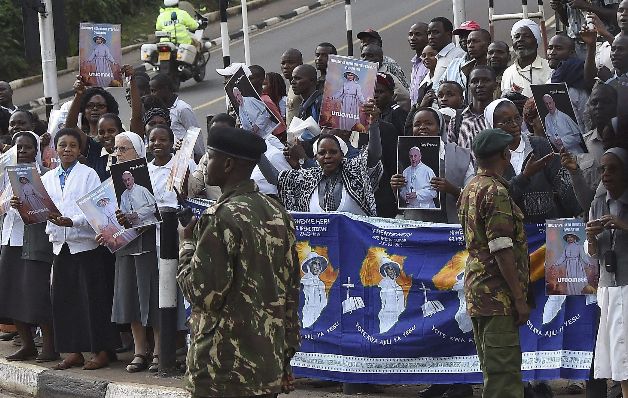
<point x="499" y="351"/>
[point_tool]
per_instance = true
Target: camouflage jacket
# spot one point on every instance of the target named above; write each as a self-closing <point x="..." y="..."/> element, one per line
<point x="240" y="272"/>
<point x="491" y="221"/>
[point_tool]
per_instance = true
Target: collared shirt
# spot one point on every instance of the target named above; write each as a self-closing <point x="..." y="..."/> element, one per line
<point x="182" y="118"/>
<point x="470" y="126"/>
<point x="391" y="66"/>
<point x="539" y="72"/>
<point x="444" y="58"/>
<point x="620" y="84"/>
<point x="418" y="74"/>
<point x="491" y="221"/>
<point x="577" y="20"/>
<point x="454" y="72"/>
<point x="517" y="157"/>
<point x="110" y="158"/>
<point x="95" y="160"/>
<point x="64" y="173"/>
<point x="159" y="177"/>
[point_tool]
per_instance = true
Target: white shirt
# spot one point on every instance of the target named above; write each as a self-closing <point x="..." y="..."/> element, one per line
<point x="81" y="180"/>
<point x="444" y="58"/>
<point x="181" y="119"/>
<point x="517" y="157"/>
<point x="539" y="72"/>
<point x="418" y="180"/>
<point x="159" y="177"/>
<point x="274" y="154"/>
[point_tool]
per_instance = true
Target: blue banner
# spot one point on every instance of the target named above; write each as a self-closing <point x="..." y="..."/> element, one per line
<point x="382" y="302"/>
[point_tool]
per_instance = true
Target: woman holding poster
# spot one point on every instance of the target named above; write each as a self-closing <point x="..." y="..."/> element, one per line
<point x="25" y="270"/>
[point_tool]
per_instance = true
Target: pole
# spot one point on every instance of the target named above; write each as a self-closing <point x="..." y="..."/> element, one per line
<point x="224" y="33"/>
<point x="245" y="30"/>
<point x="168" y="264"/>
<point x="460" y="14"/>
<point x="48" y="53"/>
<point x="349" y="23"/>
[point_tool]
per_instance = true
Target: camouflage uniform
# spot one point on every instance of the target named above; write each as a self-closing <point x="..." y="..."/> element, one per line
<point x="491" y="221"/>
<point x="240" y="272"/>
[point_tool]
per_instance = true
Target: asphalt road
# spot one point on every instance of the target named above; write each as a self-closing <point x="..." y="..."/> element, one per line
<point x="391" y="18"/>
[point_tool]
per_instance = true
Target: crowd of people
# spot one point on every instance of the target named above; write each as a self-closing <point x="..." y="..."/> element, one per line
<point x="499" y="170"/>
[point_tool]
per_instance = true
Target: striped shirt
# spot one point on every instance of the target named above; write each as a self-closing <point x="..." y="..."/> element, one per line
<point x="470" y="126"/>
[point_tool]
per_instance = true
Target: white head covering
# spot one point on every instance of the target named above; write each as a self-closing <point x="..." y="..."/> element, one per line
<point x="136" y="140"/>
<point x="37" y="147"/>
<point x="528" y="23"/>
<point x="343" y="145"/>
<point x="170" y="3"/>
<point x="490" y="111"/>
<point x="622" y="154"/>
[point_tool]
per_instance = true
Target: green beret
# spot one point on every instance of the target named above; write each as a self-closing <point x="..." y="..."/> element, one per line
<point x="489" y="142"/>
<point x="238" y="143"/>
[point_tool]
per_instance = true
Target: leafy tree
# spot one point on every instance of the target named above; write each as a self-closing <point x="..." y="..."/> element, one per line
<point x="12" y="63"/>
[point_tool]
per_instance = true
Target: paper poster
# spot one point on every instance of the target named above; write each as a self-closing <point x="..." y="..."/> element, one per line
<point x="26" y="184"/>
<point x="348" y="84"/>
<point x="56" y="122"/>
<point x="182" y="160"/>
<point x="251" y="110"/>
<point x="558" y="117"/>
<point x="568" y="269"/>
<point x="418" y="160"/>
<point x="134" y="192"/>
<point x="100" y="54"/>
<point x="5" y="198"/>
<point x="99" y="207"/>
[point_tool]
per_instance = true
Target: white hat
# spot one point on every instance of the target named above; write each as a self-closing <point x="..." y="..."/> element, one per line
<point x="233" y="68"/>
<point x="170" y="3"/>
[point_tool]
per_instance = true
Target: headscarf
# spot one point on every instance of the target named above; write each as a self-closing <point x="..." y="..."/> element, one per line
<point x="528" y="23"/>
<point x="489" y="112"/>
<point x="622" y="154"/>
<point x="570" y="71"/>
<point x="343" y="145"/>
<point x="37" y="146"/>
<point x="136" y="140"/>
<point x="150" y="113"/>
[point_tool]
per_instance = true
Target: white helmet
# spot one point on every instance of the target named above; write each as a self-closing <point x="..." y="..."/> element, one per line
<point x="170" y="3"/>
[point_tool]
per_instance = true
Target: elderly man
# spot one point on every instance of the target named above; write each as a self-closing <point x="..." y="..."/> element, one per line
<point x="528" y="68"/>
<point x="243" y="247"/>
<point x="253" y="114"/>
<point x="497" y="272"/>
<point x="562" y="130"/>
<point x="417" y="38"/>
<point x="373" y="53"/>
<point x="439" y="37"/>
<point x="137" y="203"/>
<point x="6" y="97"/>
<point x="418" y="192"/>
<point x="290" y="59"/>
<point x="388" y="64"/>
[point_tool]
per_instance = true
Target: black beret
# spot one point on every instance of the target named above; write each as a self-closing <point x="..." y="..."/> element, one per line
<point x="489" y="142"/>
<point x="238" y="143"/>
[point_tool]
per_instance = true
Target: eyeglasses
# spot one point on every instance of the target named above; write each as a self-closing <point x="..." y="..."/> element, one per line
<point x="121" y="149"/>
<point x="516" y="121"/>
<point x="91" y="105"/>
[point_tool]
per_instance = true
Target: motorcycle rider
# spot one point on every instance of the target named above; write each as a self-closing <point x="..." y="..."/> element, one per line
<point x="178" y="29"/>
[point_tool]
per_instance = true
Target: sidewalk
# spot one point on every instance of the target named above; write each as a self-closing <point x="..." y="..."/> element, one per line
<point x="38" y="380"/>
<point x="275" y="11"/>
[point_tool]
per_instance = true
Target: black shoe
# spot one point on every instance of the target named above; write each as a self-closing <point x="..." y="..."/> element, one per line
<point x="459" y="391"/>
<point x="434" y="391"/>
<point x="7" y="336"/>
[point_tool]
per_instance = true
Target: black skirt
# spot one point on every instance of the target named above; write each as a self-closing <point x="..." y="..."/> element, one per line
<point x="24" y="288"/>
<point x="81" y="302"/>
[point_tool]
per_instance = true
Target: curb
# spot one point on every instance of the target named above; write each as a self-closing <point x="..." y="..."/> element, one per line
<point x="212" y="16"/>
<point x="20" y="378"/>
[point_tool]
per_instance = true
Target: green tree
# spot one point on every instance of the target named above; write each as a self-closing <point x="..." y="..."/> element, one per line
<point x="12" y="63"/>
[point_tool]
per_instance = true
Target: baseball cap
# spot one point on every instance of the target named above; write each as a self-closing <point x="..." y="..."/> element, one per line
<point x="370" y="32"/>
<point x="466" y="27"/>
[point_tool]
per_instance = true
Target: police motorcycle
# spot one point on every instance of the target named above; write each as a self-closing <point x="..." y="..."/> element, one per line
<point x="179" y="60"/>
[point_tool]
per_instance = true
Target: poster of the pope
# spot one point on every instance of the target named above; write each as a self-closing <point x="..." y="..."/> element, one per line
<point x="134" y="192"/>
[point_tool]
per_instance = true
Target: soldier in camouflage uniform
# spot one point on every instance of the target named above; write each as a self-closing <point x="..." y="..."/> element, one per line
<point x="497" y="271"/>
<point x="239" y="270"/>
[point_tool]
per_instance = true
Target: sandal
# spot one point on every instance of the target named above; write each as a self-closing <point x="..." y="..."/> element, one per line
<point x="135" y="367"/>
<point x="98" y="361"/>
<point x="67" y="364"/>
<point x="47" y="357"/>
<point x="22" y="355"/>
<point x="154" y="365"/>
